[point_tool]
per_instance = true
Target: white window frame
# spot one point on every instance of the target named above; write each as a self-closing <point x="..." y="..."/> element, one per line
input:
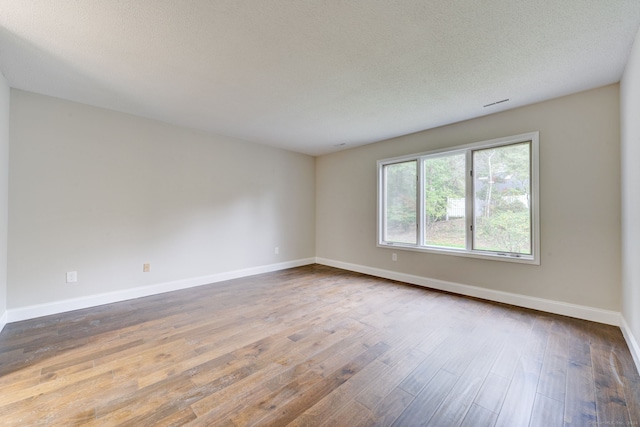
<point x="468" y="149"/>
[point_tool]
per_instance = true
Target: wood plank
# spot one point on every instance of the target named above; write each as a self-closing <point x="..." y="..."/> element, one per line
<point x="388" y="380"/>
<point x="430" y="366"/>
<point x="547" y="412"/>
<point x="352" y="415"/>
<point x="390" y="408"/>
<point x="580" y="401"/>
<point x="425" y="403"/>
<point x="518" y="404"/>
<point x="288" y="412"/>
<point x="553" y="377"/>
<point x="611" y="404"/>
<point x="477" y="416"/>
<point x="454" y="407"/>
<point x="341" y="396"/>
<point x="37" y="408"/>
<point x="492" y="393"/>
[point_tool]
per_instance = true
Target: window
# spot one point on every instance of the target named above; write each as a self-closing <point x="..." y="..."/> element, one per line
<point x="478" y="200"/>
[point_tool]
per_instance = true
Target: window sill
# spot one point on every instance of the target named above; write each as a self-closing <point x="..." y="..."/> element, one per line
<point x="523" y="259"/>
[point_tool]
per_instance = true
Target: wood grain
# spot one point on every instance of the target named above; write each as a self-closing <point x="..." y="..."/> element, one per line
<point x="314" y="346"/>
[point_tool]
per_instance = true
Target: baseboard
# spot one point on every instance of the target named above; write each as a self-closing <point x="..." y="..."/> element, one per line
<point x="550" y="306"/>
<point x="3" y="320"/>
<point x="33" y="311"/>
<point x="631" y="342"/>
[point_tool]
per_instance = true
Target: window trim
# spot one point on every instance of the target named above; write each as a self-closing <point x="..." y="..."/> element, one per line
<point x="468" y="149"/>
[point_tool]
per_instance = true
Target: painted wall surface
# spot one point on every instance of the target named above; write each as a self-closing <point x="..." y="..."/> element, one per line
<point x="630" y="142"/>
<point x="579" y="202"/>
<point x="101" y="193"/>
<point x="5" y="94"/>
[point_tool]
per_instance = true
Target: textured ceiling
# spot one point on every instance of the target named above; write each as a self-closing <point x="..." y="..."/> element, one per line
<point x="311" y="75"/>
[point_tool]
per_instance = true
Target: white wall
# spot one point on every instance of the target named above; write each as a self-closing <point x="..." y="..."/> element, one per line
<point x="579" y="199"/>
<point x="4" y="193"/>
<point x="630" y="142"/>
<point x="101" y="193"/>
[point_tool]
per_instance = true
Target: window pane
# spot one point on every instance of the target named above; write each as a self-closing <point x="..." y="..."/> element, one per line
<point x="444" y="186"/>
<point x="400" y="202"/>
<point x="502" y="195"/>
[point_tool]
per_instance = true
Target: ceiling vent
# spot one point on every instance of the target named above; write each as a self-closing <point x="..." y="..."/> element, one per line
<point x="497" y="102"/>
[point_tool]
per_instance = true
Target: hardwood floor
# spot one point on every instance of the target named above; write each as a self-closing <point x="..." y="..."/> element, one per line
<point x="315" y="346"/>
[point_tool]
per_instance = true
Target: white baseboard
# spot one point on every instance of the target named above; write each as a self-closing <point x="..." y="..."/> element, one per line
<point x="39" y="310"/>
<point x="550" y="306"/>
<point x="3" y="320"/>
<point x="631" y="342"/>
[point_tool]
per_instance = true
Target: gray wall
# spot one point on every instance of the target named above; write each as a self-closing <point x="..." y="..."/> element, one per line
<point x="630" y="140"/>
<point x="4" y="189"/>
<point x="579" y="199"/>
<point x="101" y="193"/>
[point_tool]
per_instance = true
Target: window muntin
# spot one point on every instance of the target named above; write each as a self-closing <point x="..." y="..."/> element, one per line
<point x="478" y="200"/>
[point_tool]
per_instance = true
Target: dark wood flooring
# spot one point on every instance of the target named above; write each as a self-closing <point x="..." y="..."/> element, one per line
<point x="315" y="346"/>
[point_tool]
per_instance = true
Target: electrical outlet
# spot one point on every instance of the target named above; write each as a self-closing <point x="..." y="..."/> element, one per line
<point x="276" y="250"/>
<point x="72" y="276"/>
<point x="146" y="268"/>
<point x="394" y="257"/>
